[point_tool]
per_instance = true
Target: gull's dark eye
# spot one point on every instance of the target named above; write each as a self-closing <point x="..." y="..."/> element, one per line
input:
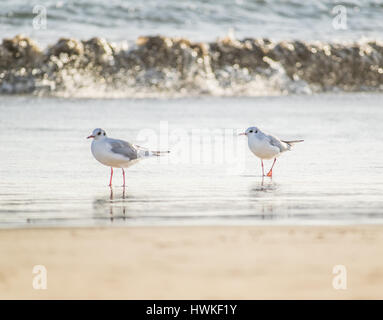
<point x="98" y="133"/>
<point x="251" y="131"/>
<point x="256" y="131"/>
<point x="104" y="133"/>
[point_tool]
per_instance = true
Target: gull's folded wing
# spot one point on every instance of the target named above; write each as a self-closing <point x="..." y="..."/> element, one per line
<point x="123" y="148"/>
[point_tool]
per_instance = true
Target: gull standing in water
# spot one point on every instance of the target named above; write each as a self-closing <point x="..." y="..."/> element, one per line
<point x="117" y="153"/>
<point x="266" y="146"/>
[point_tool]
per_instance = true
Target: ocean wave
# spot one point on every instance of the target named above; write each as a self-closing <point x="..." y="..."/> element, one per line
<point x="174" y="67"/>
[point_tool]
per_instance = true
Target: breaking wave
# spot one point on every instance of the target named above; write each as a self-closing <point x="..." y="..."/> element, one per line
<point x="175" y="67"/>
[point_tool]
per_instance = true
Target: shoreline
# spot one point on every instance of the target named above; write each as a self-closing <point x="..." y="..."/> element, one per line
<point x="204" y="262"/>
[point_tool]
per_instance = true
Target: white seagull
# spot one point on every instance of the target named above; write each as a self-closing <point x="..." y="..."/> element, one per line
<point x="266" y="146"/>
<point x="117" y="153"/>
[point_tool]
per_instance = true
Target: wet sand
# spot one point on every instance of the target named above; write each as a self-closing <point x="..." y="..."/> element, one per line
<point x="193" y="262"/>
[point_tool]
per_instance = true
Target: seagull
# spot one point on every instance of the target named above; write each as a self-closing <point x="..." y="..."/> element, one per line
<point x="266" y="146"/>
<point x="117" y="153"/>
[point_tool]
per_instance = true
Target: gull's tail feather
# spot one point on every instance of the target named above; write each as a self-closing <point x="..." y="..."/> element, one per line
<point x="148" y="153"/>
<point x="159" y="153"/>
<point x="292" y="142"/>
<point x="144" y="152"/>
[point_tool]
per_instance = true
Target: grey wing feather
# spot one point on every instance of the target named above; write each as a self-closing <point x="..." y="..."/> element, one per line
<point x="277" y="143"/>
<point x="291" y="142"/>
<point x="124" y="148"/>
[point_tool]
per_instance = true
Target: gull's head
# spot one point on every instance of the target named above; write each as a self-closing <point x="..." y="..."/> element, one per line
<point x="97" y="134"/>
<point x="252" y="131"/>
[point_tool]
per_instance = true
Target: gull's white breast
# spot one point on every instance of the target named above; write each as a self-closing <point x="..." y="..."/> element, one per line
<point x="101" y="150"/>
<point x="262" y="148"/>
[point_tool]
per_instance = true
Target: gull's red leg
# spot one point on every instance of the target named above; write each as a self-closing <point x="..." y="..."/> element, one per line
<point x="270" y="174"/>
<point x="111" y="176"/>
<point x="263" y="169"/>
<point x="123" y="175"/>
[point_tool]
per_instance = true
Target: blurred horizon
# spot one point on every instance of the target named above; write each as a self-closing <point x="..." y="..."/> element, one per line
<point x="199" y="20"/>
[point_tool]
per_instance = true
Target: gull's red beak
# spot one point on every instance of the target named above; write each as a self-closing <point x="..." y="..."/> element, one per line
<point x="243" y="134"/>
<point x="90" y="137"/>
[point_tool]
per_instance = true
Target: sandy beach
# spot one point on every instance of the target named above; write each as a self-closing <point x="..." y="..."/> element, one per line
<point x="252" y="262"/>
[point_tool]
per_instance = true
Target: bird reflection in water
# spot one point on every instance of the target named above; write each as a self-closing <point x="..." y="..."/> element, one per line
<point x="263" y="203"/>
<point x="113" y="201"/>
<point x="115" y="204"/>
<point x="265" y="187"/>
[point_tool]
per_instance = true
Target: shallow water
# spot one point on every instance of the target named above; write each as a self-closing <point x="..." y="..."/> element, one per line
<point x="49" y="177"/>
